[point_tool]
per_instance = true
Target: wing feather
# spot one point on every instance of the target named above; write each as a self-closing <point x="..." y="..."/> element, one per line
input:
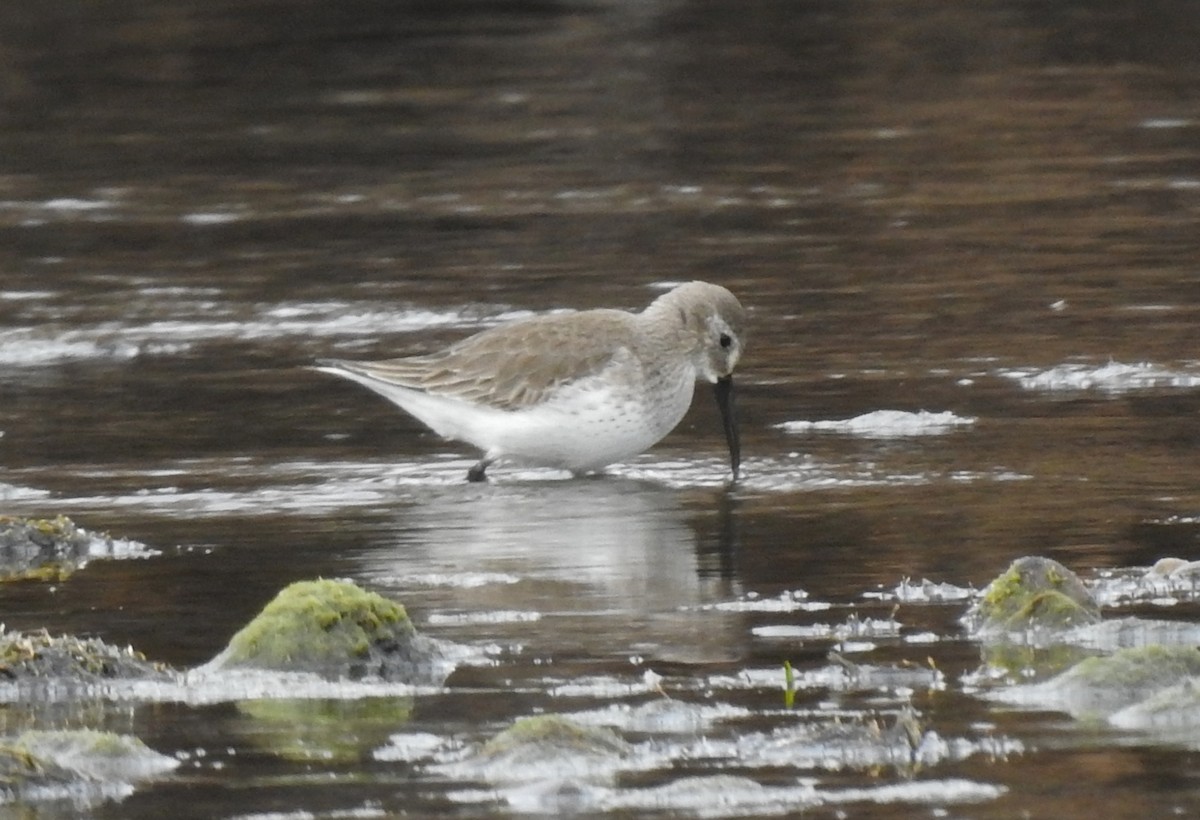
<point x="515" y="365"/>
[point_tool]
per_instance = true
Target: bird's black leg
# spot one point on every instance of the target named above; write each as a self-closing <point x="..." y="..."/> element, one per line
<point x="477" y="473"/>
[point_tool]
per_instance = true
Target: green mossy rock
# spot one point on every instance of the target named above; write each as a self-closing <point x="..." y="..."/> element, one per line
<point x="337" y="630"/>
<point x="1096" y="688"/>
<point x="552" y="751"/>
<point x="102" y="756"/>
<point x="1132" y="675"/>
<point x="1033" y="594"/>
<point x="1173" y="712"/>
<point x="81" y="766"/>
<point x="554" y="734"/>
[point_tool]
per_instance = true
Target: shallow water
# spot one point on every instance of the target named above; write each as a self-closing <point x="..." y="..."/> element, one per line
<point x="988" y="211"/>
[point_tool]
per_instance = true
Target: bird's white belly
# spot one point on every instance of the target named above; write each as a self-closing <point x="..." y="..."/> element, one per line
<point x="587" y="429"/>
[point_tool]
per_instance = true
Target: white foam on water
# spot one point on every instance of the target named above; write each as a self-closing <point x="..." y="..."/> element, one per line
<point x="360" y="813"/>
<point x="662" y="715"/>
<point x="26" y="295"/>
<point x="68" y="204"/>
<point x="953" y="790"/>
<point x="714" y="796"/>
<point x="198" y="317"/>
<point x="885" y="424"/>
<point x="718" y="796"/>
<point x="26" y="348"/>
<point x="854" y="627"/>
<point x="202" y="686"/>
<point x="796" y="600"/>
<point x="1169" y="582"/>
<point x="454" y="580"/>
<point x="411" y="746"/>
<point x="470" y="618"/>
<point x="789" y="473"/>
<point x="287" y="487"/>
<point x="598" y="687"/>
<point x="1158" y="123"/>
<point x="313" y="488"/>
<point x="1113" y="377"/>
<point x="15" y="492"/>
<point x="210" y="218"/>
<point x="924" y="592"/>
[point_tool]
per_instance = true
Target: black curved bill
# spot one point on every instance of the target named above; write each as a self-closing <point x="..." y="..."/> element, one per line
<point x="724" y="392"/>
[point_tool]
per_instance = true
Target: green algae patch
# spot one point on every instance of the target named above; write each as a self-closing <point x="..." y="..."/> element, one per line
<point x="334" y="629"/>
<point x="1096" y="688"/>
<point x="1034" y="593"/>
<point x="1023" y="662"/>
<point x="1139" y="671"/>
<point x="314" y="730"/>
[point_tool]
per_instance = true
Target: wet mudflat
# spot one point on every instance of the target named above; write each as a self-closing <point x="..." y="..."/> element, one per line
<point x="968" y="239"/>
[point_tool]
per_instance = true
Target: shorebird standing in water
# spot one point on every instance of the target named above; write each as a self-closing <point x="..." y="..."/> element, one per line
<point x="576" y="391"/>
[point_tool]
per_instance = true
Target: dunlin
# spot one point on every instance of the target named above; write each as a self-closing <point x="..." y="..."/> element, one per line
<point x="576" y="391"/>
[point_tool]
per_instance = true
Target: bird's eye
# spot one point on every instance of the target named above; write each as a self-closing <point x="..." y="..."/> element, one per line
<point x="726" y="340"/>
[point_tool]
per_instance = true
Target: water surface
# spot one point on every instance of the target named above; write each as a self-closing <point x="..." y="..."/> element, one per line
<point x="989" y="212"/>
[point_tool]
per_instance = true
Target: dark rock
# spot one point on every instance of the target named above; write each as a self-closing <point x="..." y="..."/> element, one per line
<point x="32" y="661"/>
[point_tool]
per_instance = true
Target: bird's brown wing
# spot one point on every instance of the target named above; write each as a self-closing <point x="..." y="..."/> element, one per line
<point x="512" y="366"/>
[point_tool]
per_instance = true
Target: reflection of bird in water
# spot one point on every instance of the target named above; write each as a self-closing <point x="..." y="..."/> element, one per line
<point x="576" y="391"/>
<point x="617" y="552"/>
